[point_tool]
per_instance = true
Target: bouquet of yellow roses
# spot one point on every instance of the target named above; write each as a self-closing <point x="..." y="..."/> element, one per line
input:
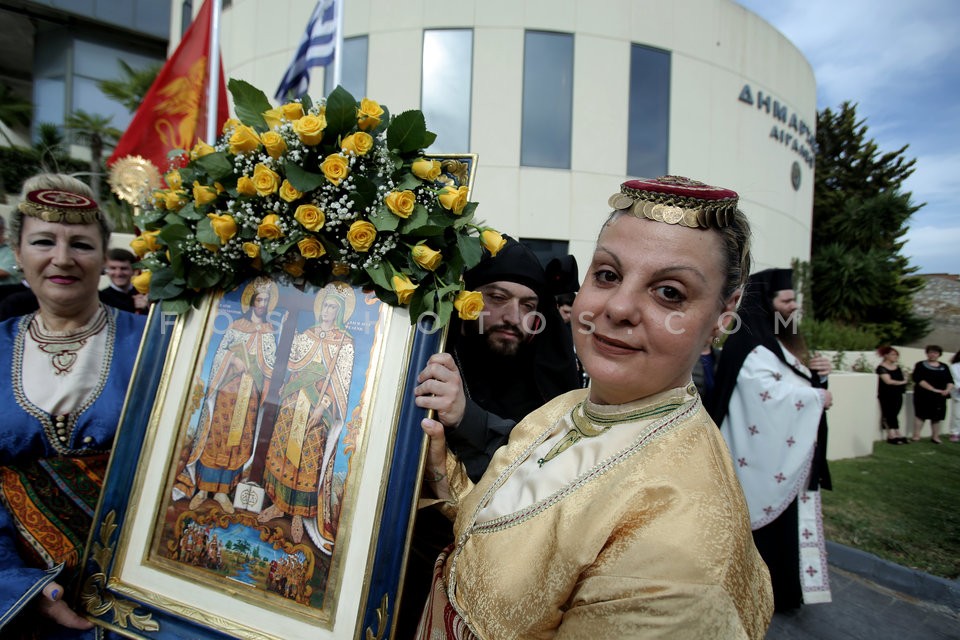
<point x="312" y="192"/>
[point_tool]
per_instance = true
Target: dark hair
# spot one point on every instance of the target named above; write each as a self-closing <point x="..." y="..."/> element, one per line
<point x="121" y="255"/>
<point x="933" y="347"/>
<point x="883" y="351"/>
<point x="955" y="358"/>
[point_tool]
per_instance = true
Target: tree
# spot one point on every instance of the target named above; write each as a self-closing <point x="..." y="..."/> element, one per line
<point x="859" y="278"/>
<point x="131" y="89"/>
<point x="97" y="132"/>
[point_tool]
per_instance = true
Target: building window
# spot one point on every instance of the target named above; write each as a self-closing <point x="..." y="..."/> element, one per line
<point x="648" y="137"/>
<point x="186" y="17"/>
<point x="353" y="71"/>
<point x="447" y="82"/>
<point x="546" y="250"/>
<point x="547" y="120"/>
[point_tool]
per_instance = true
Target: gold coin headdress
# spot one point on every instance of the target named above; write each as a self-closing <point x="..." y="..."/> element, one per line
<point x="53" y="205"/>
<point x="677" y="200"/>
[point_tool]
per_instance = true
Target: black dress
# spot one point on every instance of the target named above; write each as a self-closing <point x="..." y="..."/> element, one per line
<point x="929" y="405"/>
<point x="890" y="396"/>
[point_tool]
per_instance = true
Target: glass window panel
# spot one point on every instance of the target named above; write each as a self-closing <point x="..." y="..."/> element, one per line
<point x="87" y="96"/>
<point x="353" y="72"/>
<point x="98" y="61"/>
<point x="547" y="100"/>
<point x="446" y="85"/>
<point x="546" y="250"/>
<point x="48" y="101"/>
<point x="648" y="136"/>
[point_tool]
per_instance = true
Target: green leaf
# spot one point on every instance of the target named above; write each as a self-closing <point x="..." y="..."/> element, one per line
<point x="408" y="132"/>
<point x="177" y="307"/>
<point x="341" y="112"/>
<point x="408" y="181"/>
<point x="303" y="180"/>
<point x="470" y="249"/>
<point x="203" y="278"/>
<point x="205" y="233"/>
<point x="189" y="212"/>
<point x="444" y="311"/>
<point x="165" y="284"/>
<point x="383" y="219"/>
<point x="216" y="165"/>
<point x="417" y="219"/>
<point x="249" y="103"/>
<point x="365" y="193"/>
<point x="174" y="232"/>
<point x="381" y="275"/>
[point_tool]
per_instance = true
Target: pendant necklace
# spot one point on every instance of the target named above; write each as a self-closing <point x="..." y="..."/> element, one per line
<point x="63" y="348"/>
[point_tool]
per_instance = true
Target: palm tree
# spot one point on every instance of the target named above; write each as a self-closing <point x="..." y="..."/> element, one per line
<point x="131" y="89"/>
<point x="97" y="132"/>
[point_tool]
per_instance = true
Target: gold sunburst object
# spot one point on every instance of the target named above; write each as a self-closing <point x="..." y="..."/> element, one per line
<point x="132" y="178"/>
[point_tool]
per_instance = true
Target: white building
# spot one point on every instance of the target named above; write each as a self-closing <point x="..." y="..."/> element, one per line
<point x="564" y="99"/>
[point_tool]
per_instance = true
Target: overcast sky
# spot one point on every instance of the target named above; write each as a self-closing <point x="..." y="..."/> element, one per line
<point x="899" y="61"/>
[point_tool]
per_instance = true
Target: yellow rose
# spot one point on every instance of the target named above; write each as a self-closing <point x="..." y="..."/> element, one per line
<point x="492" y="241"/>
<point x="175" y="200"/>
<point x="201" y="149"/>
<point x="401" y="202"/>
<point x="295" y="267"/>
<point x="359" y="143"/>
<point x="272" y="117"/>
<point x="368" y="115"/>
<point x="340" y="269"/>
<point x="212" y="248"/>
<point x="335" y="167"/>
<point x="202" y="194"/>
<point x="223" y="225"/>
<point x="145" y="243"/>
<point x="468" y="304"/>
<point x="141" y="281"/>
<point x="160" y="199"/>
<point x="252" y="249"/>
<point x="246" y="187"/>
<point x="310" y="216"/>
<point x="289" y="192"/>
<point x="270" y="227"/>
<point x="243" y="139"/>
<point x="274" y="143"/>
<point x="453" y="198"/>
<point x="425" y="169"/>
<point x="265" y="180"/>
<point x="231" y="123"/>
<point x="173" y="180"/>
<point x="426" y="257"/>
<point x="361" y="235"/>
<point x="311" y="248"/>
<point x="404" y="288"/>
<point x="292" y="111"/>
<point x="310" y="129"/>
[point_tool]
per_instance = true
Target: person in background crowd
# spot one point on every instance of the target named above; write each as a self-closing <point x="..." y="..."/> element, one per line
<point x="120" y="292"/>
<point x="932" y="385"/>
<point x="769" y="401"/>
<point x="67" y="367"/>
<point x="515" y="357"/>
<point x="705" y="372"/>
<point x="613" y="511"/>
<point x="955" y="406"/>
<point x="563" y="279"/>
<point x="891" y="386"/>
<point x="9" y="275"/>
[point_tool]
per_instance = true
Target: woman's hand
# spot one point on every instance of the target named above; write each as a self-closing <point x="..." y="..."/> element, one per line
<point x="827" y="398"/>
<point x="439" y="388"/>
<point x="435" y="470"/>
<point x="50" y="604"/>
<point x="821" y="365"/>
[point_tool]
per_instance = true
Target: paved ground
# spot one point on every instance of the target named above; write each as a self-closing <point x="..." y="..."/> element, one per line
<point x="919" y="608"/>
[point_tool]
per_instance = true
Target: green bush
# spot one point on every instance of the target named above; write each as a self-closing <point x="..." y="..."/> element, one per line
<point x="17" y="164"/>
<point x="828" y="335"/>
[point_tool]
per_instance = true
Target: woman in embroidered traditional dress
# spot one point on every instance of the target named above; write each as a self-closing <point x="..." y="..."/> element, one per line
<point x="769" y="402"/>
<point x="613" y="511"/>
<point x="67" y="366"/>
<point x="312" y="413"/>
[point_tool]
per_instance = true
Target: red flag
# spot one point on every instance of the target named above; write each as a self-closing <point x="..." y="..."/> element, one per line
<point x="174" y="111"/>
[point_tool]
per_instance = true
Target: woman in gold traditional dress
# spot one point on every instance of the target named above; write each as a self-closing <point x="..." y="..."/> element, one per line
<point x="313" y="410"/>
<point x="242" y="366"/>
<point x="613" y="512"/>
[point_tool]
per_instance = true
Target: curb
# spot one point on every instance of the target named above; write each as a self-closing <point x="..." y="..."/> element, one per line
<point x="916" y="584"/>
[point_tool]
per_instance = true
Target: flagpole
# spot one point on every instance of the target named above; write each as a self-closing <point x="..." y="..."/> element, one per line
<point x="338" y="52"/>
<point x="213" y="73"/>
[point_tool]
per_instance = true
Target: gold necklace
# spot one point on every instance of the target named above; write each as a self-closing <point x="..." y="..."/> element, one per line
<point x="63" y="348"/>
<point x="589" y="424"/>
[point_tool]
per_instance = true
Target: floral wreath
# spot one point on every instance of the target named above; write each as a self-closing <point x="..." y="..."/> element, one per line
<point x="312" y="192"/>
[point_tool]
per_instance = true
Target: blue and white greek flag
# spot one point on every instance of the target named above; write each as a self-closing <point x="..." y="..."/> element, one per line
<point x="316" y="49"/>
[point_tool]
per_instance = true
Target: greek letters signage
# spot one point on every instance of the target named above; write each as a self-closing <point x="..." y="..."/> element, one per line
<point x="787" y="129"/>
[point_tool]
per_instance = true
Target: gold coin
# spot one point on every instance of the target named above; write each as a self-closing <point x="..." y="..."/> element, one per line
<point x="672" y="215"/>
<point x="656" y="212"/>
<point x="690" y="218"/>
